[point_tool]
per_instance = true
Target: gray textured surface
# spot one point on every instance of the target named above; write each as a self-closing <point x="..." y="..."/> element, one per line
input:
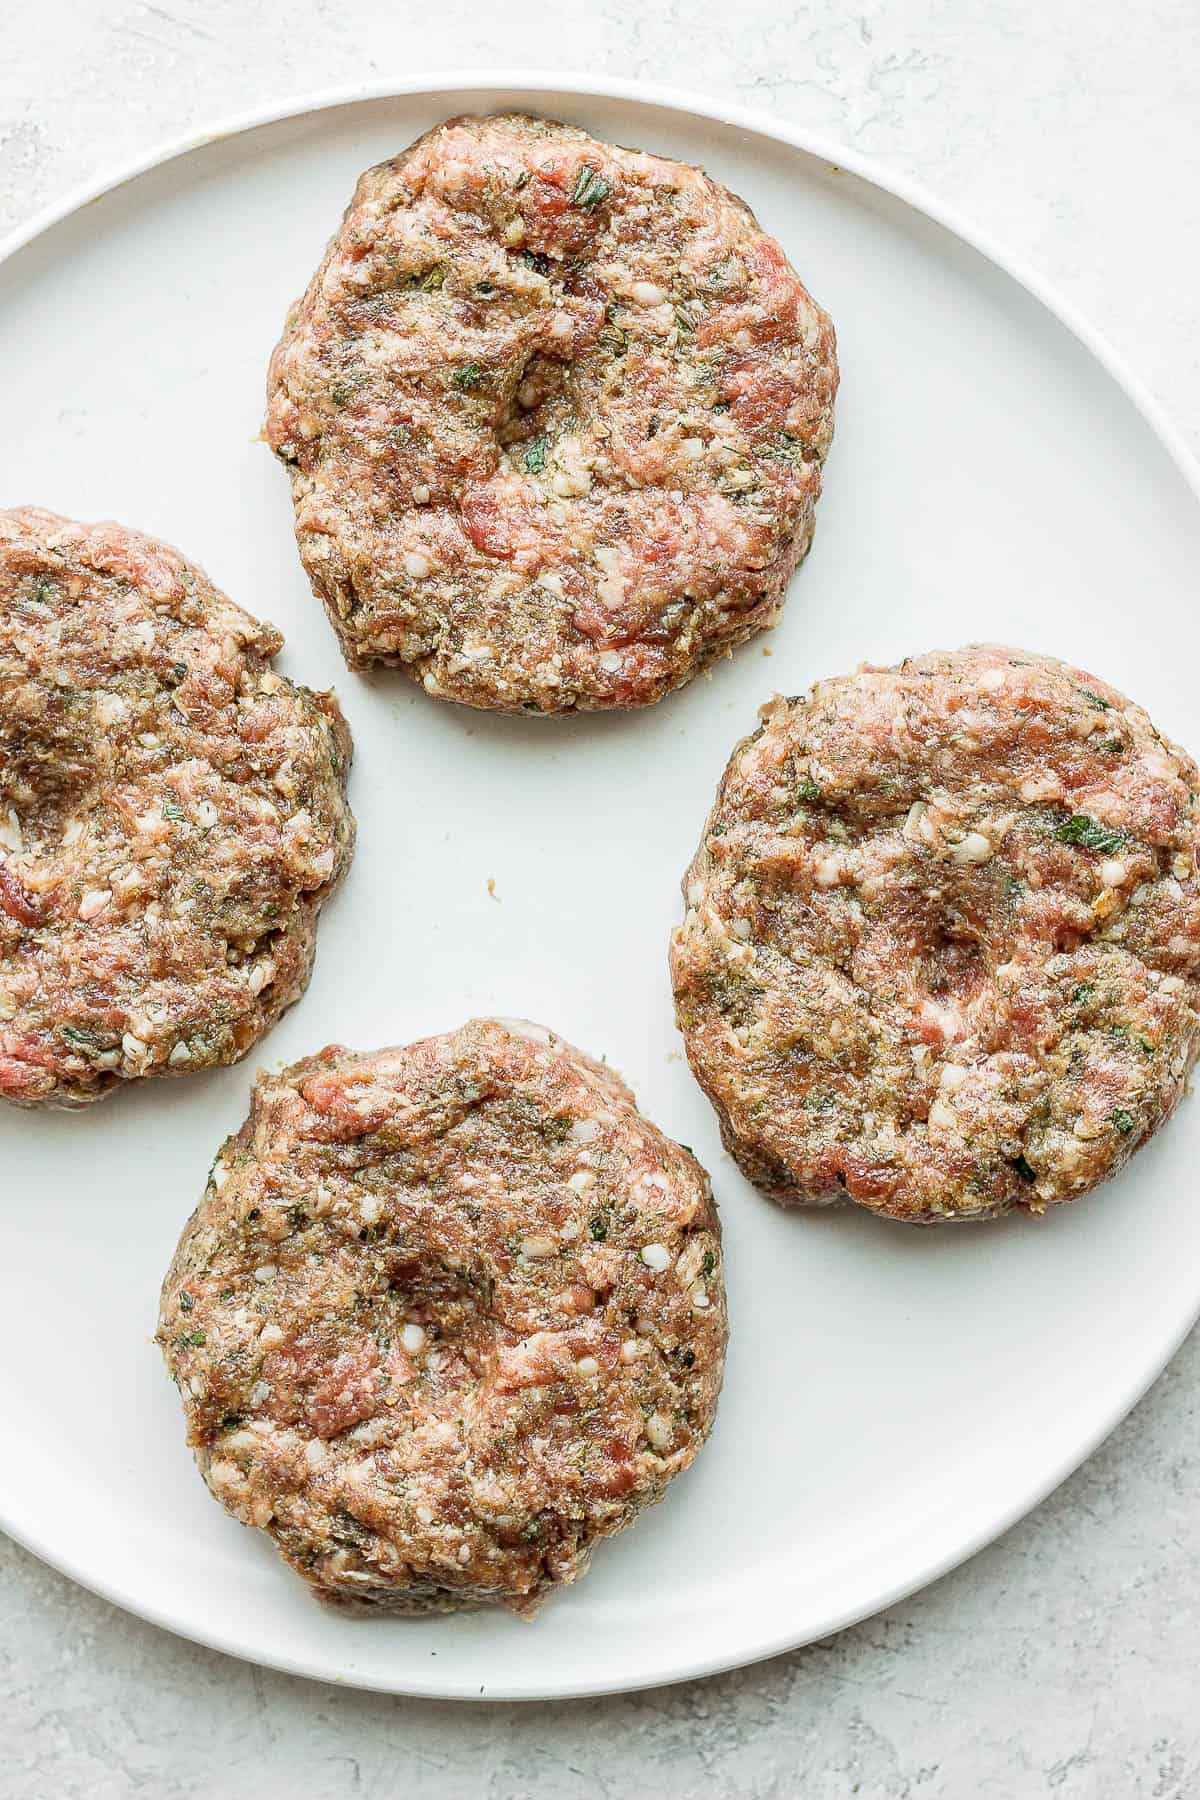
<point x="1062" y="1661"/>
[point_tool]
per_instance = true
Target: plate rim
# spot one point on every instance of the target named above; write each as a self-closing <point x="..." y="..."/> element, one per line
<point x="917" y="198"/>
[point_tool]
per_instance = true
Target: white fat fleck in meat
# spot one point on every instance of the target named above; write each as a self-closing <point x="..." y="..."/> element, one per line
<point x="612" y="587"/>
<point x="945" y="1020"/>
<point x="111" y="709"/>
<point x="1041" y="787"/>
<point x="660" y="1431"/>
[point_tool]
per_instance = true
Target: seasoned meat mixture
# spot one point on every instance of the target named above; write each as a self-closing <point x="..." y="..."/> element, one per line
<point x="445" y="1316"/>
<point x="942" y="938"/>
<point x="554" y="414"/>
<point x="172" y="815"/>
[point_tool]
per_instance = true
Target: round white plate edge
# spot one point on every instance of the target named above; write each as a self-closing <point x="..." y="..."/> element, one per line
<point x="911" y="194"/>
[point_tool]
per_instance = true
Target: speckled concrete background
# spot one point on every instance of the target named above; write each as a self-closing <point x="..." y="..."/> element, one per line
<point x="1066" y="1659"/>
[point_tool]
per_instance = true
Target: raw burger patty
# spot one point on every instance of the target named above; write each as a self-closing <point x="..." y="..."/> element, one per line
<point x="942" y="935"/>
<point x="172" y="815"/>
<point x="445" y="1316"/>
<point x="554" y="414"/>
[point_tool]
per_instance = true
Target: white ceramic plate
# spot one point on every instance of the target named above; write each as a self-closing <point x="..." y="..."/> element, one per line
<point x="894" y="1398"/>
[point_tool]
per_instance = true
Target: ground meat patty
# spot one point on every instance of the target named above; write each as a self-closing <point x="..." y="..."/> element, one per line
<point x="554" y="414"/>
<point x="445" y="1316"/>
<point x="941" y="947"/>
<point x="172" y="814"/>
